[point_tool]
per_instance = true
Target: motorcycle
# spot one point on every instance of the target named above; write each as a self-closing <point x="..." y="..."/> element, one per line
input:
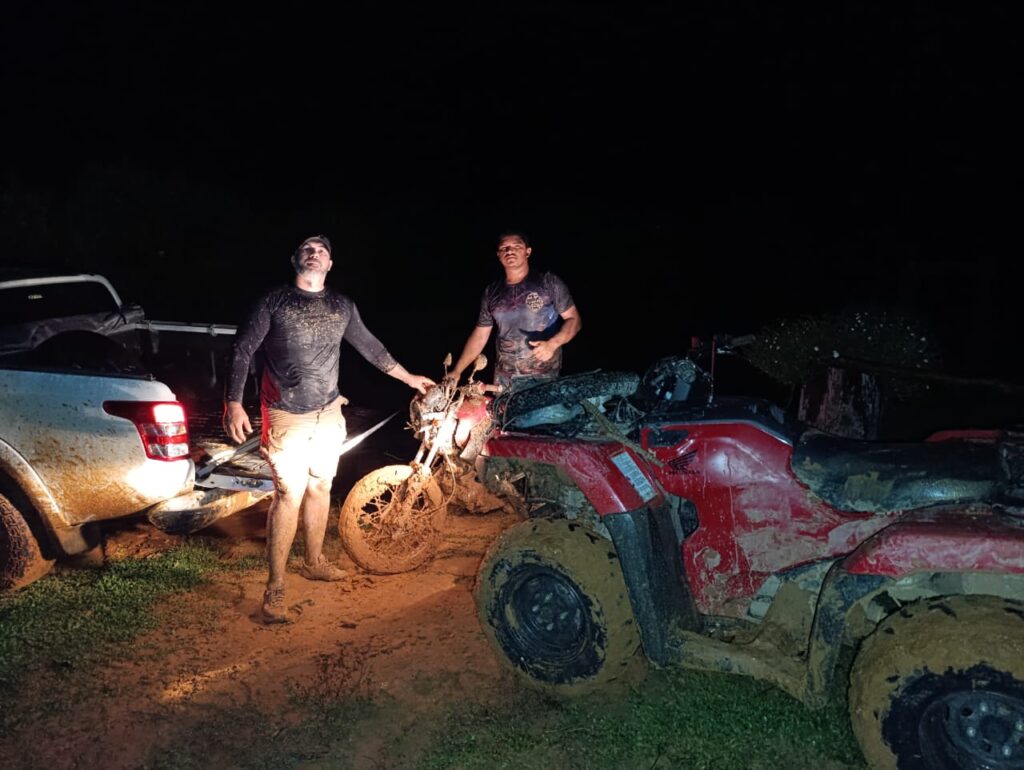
<point x="394" y="517"/>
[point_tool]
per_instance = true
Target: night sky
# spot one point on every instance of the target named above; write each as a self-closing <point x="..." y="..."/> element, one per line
<point x="687" y="168"/>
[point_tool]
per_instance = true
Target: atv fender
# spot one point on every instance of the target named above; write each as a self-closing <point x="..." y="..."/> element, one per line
<point x="924" y="555"/>
<point x="947" y="540"/>
<point x="613" y="479"/>
<point x="647" y="543"/>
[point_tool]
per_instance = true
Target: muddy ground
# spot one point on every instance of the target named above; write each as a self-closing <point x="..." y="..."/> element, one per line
<point x="362" y="677"/>
<point x="409" y="641"/>
<point x="412" y="638"/>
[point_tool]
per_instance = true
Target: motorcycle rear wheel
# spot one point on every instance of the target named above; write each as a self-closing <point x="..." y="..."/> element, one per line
<point x="392" y="522"/>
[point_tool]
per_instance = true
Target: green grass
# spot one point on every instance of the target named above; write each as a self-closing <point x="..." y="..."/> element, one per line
<point x="676" y="719"/>
<point x="248" y="738"/>
<point x="69" y="621"/>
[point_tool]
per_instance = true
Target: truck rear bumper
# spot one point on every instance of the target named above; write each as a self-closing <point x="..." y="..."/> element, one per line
<point x="199" y="508"/>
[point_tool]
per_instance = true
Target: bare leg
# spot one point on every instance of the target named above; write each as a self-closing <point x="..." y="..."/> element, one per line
<point x="282" y="521"/>
<point x="315" y="509"/>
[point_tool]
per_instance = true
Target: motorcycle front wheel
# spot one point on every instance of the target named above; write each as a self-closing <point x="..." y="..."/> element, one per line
<point x="392" y="521"/>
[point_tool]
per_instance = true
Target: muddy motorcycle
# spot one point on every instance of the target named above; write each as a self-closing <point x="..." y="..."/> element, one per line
<point x="393" y="519"/>
<point x="673" y="526"/>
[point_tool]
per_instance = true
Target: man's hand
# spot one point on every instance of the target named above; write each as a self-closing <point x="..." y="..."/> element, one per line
<point x="544" y="350"/>
<point x="419" y="382"/>
<point x="236" y="422"/>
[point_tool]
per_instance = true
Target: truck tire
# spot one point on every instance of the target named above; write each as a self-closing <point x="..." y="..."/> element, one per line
<point x="386" y="527"/>
<point x="940" y="684"/>
<point x="553" y="604"/>
<point x="21" y="561"/>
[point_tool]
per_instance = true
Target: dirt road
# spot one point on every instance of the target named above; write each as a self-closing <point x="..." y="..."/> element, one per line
<point x="412" y="639"/>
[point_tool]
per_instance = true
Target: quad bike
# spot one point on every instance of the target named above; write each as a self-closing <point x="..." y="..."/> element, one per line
<point x="393" y="519"/>
<point x="668" y="525"/>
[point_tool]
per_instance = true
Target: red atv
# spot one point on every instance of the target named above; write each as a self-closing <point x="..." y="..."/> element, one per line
<point x="717" y="533"/>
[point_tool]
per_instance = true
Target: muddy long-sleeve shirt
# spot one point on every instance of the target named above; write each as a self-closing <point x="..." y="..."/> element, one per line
<point x="300" y="333"/>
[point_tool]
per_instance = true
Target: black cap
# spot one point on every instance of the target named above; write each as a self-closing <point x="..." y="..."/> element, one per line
<point x="319" y="239"/>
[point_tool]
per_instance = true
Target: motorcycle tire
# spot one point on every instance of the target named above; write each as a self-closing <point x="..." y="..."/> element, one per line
<point x="387" y="527"/>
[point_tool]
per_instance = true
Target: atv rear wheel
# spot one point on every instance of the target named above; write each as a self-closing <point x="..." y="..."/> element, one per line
<point x="553" y="603"/>
<point x="21" y="561"/>
<point x="941" y="685"/>
<point x="392" y="521"/>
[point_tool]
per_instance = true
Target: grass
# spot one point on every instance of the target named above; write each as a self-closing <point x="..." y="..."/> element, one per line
<point x="248" y="738"/>
<point x="70" y="621"/>
<point x="677" y="719"/>
<point x="320" y="725"/>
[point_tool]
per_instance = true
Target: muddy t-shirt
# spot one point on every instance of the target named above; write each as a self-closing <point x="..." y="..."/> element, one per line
<point x="523" y="312"/>
<point x="299" y="334"/>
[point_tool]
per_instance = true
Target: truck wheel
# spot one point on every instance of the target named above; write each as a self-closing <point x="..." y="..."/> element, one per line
<point x="940" y="684"/>
<point x="21" y="561"/>
<point x="391" y="522"/>
<point x="553" y="603"/>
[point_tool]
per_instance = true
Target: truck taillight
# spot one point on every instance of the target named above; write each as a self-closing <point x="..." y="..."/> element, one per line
<point x="161" y="425"/>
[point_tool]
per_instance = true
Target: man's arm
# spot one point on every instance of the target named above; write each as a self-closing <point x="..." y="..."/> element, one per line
<point x="543" y="350"/>
<point x="373" y="350"/>
<point x="474" y="346"/>
<point x="248" y="339"/>
<point x="415" y="381"/>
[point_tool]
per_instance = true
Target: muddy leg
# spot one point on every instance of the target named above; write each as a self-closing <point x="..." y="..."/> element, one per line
<point x="315" y="509"/>
<point x="282" y="521"/>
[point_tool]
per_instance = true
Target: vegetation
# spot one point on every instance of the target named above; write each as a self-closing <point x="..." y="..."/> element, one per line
<point x="790" y="349"/>
<point x="73" y="621"/>
<point x="677" y="719"/>
<point x="68" y="622"/>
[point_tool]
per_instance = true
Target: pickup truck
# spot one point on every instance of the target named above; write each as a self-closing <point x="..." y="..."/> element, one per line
<point x="88" y="432"/>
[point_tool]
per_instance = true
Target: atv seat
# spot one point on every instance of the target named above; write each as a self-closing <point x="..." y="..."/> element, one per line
<point x="870" y="477"/>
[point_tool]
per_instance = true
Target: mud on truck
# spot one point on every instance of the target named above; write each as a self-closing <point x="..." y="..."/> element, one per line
<point x="672" y="526"/>
<point x="88" y="432"/>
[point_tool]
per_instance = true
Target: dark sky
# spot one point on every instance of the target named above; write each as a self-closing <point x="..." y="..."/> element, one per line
<point x="685" y="167"/>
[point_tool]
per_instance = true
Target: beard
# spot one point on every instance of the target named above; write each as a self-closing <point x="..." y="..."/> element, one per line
<point x="307" y="271"/>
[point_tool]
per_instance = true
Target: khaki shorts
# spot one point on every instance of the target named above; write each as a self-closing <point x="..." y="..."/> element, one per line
<point x="300" y="446"/>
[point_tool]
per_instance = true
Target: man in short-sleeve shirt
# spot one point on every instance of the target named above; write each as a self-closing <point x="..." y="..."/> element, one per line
<point x="533" y="312"/>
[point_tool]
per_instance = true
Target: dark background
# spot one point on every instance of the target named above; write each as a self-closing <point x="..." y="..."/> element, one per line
<point x="686" y="168"/>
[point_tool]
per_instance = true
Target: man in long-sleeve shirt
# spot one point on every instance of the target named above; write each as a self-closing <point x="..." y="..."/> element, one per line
<point x="299" y="328"/>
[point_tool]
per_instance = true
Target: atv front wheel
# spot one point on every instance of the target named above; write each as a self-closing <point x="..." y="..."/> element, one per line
<point x="21" y="561"/>
<point x="940" y="684"/>
<point x="392" y="521"/>
<point x="553" y="603"/>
